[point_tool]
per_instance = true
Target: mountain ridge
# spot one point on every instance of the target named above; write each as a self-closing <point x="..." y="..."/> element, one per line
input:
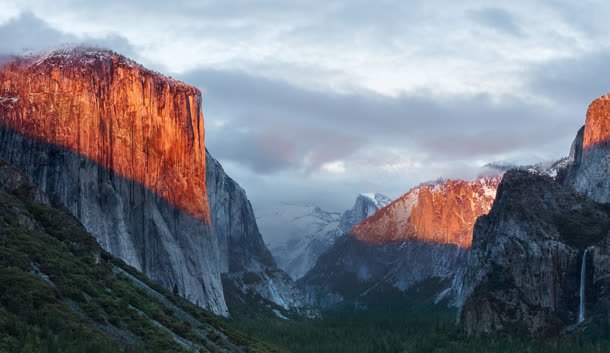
<point x="314" y="230"/>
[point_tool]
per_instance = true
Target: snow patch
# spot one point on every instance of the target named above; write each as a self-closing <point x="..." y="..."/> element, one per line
<point x="8" y="100"/>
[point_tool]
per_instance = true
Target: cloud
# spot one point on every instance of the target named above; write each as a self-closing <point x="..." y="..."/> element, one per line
<point x="498" y="19"/>
<point x="315" y="101"/>
<point x="575" y="80"/>
<point x="271" y="125"/>
<point x="26" y="33"/>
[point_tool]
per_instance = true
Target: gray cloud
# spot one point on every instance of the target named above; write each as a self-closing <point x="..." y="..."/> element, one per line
<point x="576" y="80"/>
<point x="497" y="18"/>
<point x="272" y="125"/>
<point x="399" y="91"/>
<point x="30" y="33"/>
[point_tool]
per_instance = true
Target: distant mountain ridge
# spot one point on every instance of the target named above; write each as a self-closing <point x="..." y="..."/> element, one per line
<point x="424" y="234"/>
<point x="311" y="230"/>
<point x="439" y="212"/>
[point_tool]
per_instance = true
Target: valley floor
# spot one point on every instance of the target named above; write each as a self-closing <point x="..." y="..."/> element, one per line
<point x="405" y="325"/>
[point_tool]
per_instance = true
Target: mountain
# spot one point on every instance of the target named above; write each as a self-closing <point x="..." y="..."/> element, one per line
<point x="310" y="231"/>
<point x="440" y="212"/>
<point x="122" y="148"/>
<point x="539" y="261"/>
<point x="61" y="292"/>
<point x="422" y="235"/>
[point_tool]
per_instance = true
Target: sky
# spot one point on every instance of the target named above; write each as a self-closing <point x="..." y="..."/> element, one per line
<point x="312" y="102"/>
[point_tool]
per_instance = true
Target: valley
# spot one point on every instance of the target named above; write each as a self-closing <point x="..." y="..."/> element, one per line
<point x="119" y="225"/>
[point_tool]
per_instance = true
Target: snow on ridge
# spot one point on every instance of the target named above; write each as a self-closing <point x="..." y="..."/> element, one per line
<point x="8" y="99"/>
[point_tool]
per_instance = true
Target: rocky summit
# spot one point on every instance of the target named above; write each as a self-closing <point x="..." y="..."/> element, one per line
<point x="441" y="212"/>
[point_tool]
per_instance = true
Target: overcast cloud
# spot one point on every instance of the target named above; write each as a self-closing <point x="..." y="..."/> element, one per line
<point x="311" y="102"/>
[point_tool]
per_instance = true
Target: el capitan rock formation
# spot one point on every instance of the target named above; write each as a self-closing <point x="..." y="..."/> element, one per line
<point x="135" y="122"/>
<point x="122" y="149"/>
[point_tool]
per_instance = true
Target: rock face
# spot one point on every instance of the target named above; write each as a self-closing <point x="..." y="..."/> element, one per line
<point x="422" y="235"/>
<point x="244" y="259"/>
<point x="589" y="174"/>
<point x="523" y="267"/>
<point x="523" y="270"/>
<point x="122" y="149"/>
<point x="310" y="231"/>
<point x="143" y="126"/>
<point x="597" y="123"/>
<point x="442" y="212"/>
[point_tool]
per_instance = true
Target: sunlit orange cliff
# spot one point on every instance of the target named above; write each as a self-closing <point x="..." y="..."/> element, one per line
<point x="132" y="121"/>
<point x="441" y="212"/>
<point x="597" y="124"/>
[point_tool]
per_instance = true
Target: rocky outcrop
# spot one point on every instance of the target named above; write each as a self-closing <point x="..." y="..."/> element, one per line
<point x="310" y="231"/>
<point x="442" y="212"/>
<point x="591" y="169"/>
<point x="122" y="149"/>
<point x="128" y="220"/>
<point x="365" y="206"/>
<point x="116" y="145"/>
<point x="523" y="267"/>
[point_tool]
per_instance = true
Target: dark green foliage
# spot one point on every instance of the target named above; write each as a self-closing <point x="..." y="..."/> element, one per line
<point x="408" y="322"/>
<point x="60" y="292"/>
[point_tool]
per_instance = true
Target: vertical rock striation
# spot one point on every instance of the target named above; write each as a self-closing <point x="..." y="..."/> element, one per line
<point x="245" y="262"/>
<point x="141" y="125"/>
<point x="121" y="148"/>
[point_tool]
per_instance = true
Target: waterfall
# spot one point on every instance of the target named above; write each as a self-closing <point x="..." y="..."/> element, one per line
<point x="581" y="307"/>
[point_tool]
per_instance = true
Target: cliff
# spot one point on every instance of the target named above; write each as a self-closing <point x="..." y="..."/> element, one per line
<point x="122" y="149"/>
<point x="141" y="125"/>
<point x="247" y="267"/>
<point x="591" y="168"/>
<point x="597" y="123"/>
<point x="443" y="212"/>
<point x="524" y="267"/>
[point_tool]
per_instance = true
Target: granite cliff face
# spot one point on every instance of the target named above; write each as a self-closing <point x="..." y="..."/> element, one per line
<point x="591" y="167"/>
<point x="246" y="264"/>
<point x="442" y="212"/>
<point x="122" y="149"/>
<point x="422" y="235"/>
<point x="310" y="231"/>
<point x="524" y="267"/>
<point x="139" y="124"/>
